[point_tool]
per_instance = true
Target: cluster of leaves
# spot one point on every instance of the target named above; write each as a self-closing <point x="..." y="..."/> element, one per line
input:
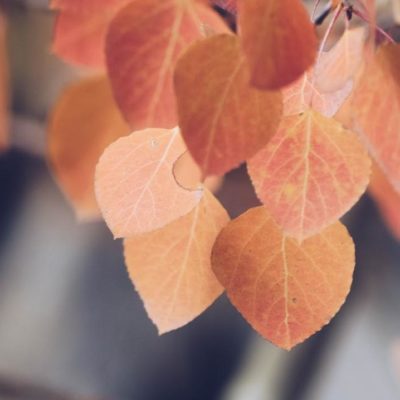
<point x="200" y="100"/>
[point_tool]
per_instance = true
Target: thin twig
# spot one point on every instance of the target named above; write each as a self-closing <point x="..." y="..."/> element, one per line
<point x="376" y="27"/>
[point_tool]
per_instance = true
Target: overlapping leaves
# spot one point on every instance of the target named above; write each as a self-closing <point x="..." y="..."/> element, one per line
<point x="171" y="267"/>
<point x="76" y="140"/>
<point x="265" y="96"/>
<point x="223" y="120"/>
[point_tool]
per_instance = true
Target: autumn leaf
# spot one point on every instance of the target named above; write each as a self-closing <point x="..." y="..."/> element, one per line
<point x="287" y="291"/>
<point x="135" y="186"/>
<point x="4" y="85"/>
<point x="141" y="56"/>
<point x="334" y="68"/>
<point x="80" y="29"/>
<point x="303" y="94"/>
<point x="376" y="110"/>
<point x="342" y="62"/>
<point x="188" y="174"/>
<point x="278" y="39"/>
<point x="387" y="200"/>
<point x="84" y="121"/>
<point x="171" y="267"/>
<point x="223" y="120"/>
<point x="310" y="173"/>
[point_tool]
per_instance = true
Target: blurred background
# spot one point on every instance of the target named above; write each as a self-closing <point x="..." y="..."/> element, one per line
<point x="73" y="327"/>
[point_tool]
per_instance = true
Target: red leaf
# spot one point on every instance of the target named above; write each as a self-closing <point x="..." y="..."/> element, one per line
<point x="141" y="56"/>
<point x="278" y="39"/>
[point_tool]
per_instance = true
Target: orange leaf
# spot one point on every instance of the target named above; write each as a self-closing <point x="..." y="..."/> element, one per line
<point x="223" y="120"/>
<point x="84" y="121"/>
<point x="310" y="173"/>
<point x="287" y="291"/>
<point x="80" y="30"/>
<point x="141" y="55"/>
<point x="376" y="110"/>
<point x="171" y="267"/>
<point x="188" y="175"/>
<point x="340" y="64"/>
<point x="387" y="200"/>
<point x="4" y="85"/>
<point x="278" y="39"/>
<point x="135" y="186"/>
<point x="304" y="94"/>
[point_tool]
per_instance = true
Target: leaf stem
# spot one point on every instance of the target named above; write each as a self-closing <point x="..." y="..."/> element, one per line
<point x="376" y="27"/>
<point x="336" y="14"/>
<point x="335" y="17"/>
